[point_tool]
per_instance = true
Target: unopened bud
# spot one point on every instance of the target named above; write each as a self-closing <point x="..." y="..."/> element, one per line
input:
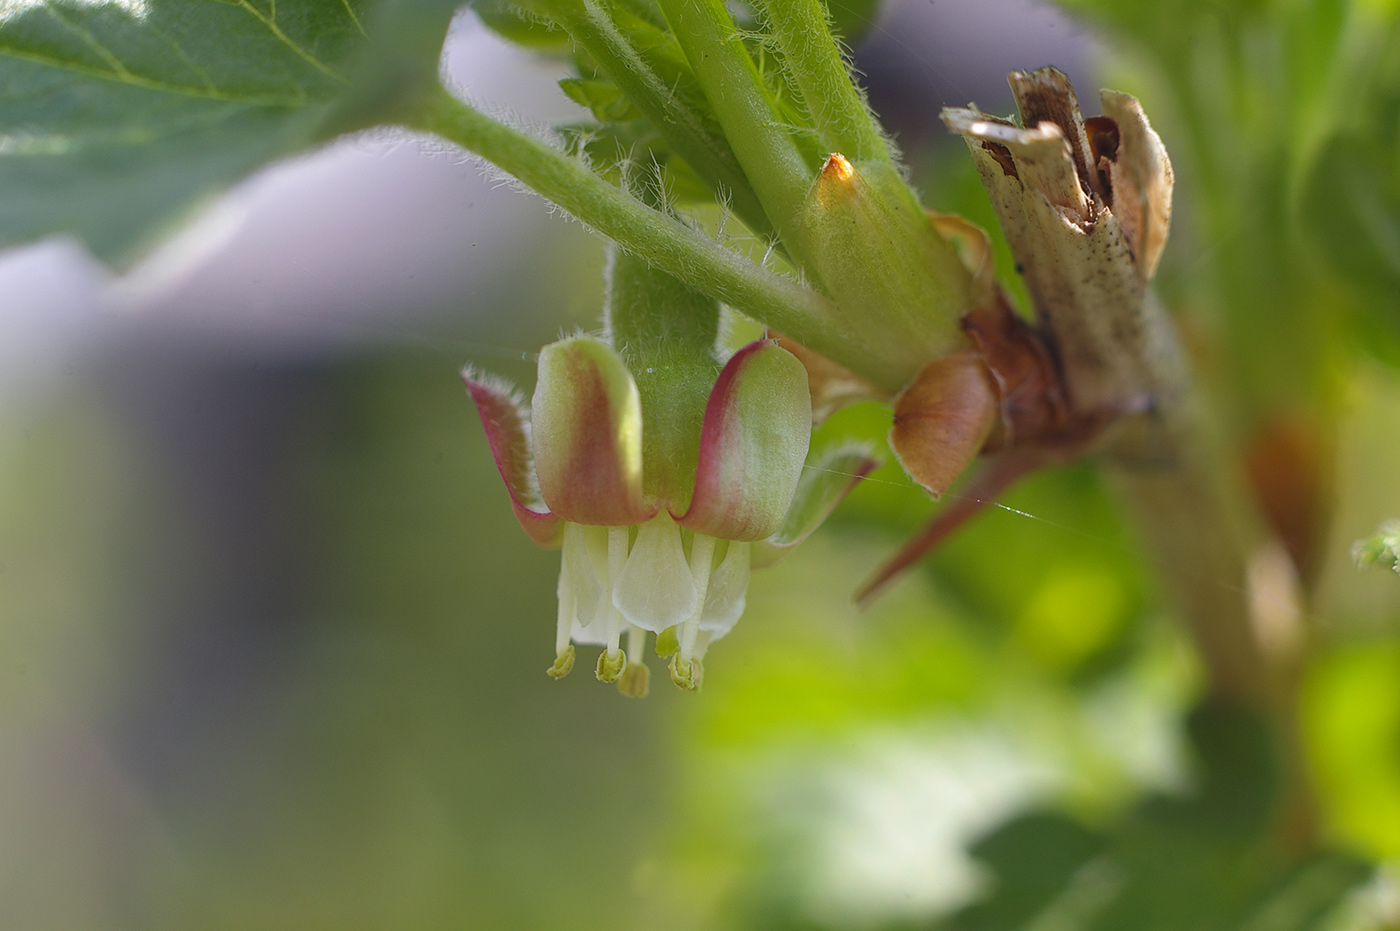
<point x="864" y="236"/>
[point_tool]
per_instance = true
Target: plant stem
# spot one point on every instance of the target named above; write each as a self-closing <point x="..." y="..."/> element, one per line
<point x="684" y="128"/>
<point x="665" y="242"/>
<point x="1200" y="556"/>
<point x="812" y="58"/>
<point x="735" y="90"/>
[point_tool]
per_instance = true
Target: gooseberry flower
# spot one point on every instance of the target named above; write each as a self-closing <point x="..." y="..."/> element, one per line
<point x="658" y="537"/>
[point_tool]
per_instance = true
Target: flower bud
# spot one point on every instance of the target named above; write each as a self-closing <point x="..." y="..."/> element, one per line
<point x="879" y="257"/>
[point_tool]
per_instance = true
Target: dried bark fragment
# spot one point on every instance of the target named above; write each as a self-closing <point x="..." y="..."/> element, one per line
<point x="1086" y="267"/>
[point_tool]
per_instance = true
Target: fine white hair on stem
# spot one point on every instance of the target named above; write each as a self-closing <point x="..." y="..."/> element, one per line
<point x="771" y="247"/>
<point x="722" y="228"/>
<point x="665" y="193"/>
<point x="431" y="145"/>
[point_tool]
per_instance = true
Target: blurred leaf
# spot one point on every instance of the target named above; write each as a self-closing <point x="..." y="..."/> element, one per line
<point x="1308" y="895"/>
<point x="1195" y="863"/>
<point x="516" y="25"/>
<point x="120" y="114"/>
<point x="1071" y="604"/>
<point x="1078" y="586"/>
<point x="1352" y="721"/>
<point x="1353" y="211"/>
<point x="1035" y="859"/>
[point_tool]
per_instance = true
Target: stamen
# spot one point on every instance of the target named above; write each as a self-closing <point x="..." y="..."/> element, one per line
<point x="636" y="677"/>
<point x="617" y="558"/>
<point x="724" y="603"/>
<point x="613" y="661"/>
<point x="685" y="667"/>
<point x="702" y="554"/>
<point x="636" y="641"/>
<point x="568" y="607"/>
<point x="563" y="663"/>
<point x="687" y="675"/>
<point x="611" y="664"/>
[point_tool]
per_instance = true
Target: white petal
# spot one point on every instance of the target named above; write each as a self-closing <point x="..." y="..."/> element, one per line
<point x="578" y="570"/>
<point x="729" y="583"/>
<point x="568" y="609"/>
<point x="594" y="636"/>
<point x="655" y="590"/>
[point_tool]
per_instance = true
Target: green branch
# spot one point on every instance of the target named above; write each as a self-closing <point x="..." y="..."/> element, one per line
<point x="684" y="128"/>
<point x="747" y="113"/>
<point x="665" y="242"/>
<point x="813" y="59"/>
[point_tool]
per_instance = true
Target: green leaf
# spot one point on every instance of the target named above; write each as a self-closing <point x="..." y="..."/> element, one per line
<point x="517" y="25"/>
<point x="1206" y="861"/>
<point x="1036" y="859"/>
<point x="119" y="115"/>
<point x="1352" y="206"/>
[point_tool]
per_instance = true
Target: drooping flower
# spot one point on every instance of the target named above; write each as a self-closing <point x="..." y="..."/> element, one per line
<point x="658" y="538"/>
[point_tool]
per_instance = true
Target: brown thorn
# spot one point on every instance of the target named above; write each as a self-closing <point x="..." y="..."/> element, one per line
<point x="997" y="476"/>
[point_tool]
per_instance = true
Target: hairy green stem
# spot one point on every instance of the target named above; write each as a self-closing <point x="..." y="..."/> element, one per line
<point x="662" y="240"/>
<point x="683" y="127"/>
<point x="811" y="56"/>
<point x="747" y="113"/>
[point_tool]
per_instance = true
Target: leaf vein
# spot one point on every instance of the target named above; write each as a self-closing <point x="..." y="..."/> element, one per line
<point x="353" y="18"/>
<point x="90" y="41"/>
<point x="269" y="20"/>
<point x="124" y="76"/>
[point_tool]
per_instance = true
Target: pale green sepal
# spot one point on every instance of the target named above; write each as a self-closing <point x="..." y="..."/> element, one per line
<point x="725" y="597"/>
<point x="655" y="589"/>
<point x="586" y="429"/>
<point x="758" y="425"/>
<point x="827" y="479"/>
